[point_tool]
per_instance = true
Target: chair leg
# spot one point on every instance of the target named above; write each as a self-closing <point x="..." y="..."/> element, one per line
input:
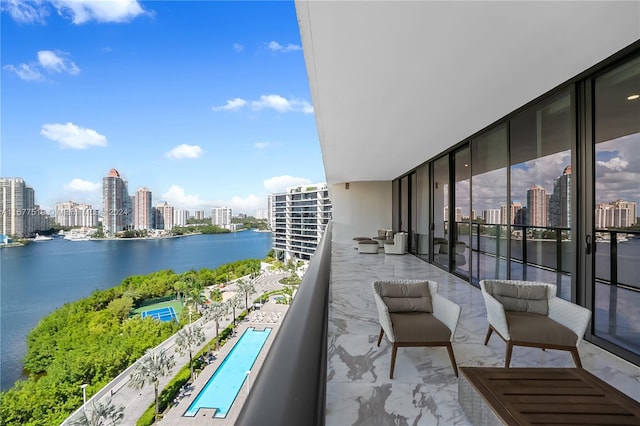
<point x="489" y="331"/>
<point x="393" y="359"/>
<point x="576" y="357"/>
<point x="380" y="336"/>
<point x="453" y="358"/>
<point x="507" y="359"/>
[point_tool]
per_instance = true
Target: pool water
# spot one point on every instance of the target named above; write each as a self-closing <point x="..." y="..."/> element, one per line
<point x="225" y="384"/>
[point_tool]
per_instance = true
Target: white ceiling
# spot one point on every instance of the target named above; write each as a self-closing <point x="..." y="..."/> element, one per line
<point x="394" y="83"/>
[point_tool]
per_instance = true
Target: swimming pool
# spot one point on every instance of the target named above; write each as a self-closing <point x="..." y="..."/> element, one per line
<point x="225" y="384"/>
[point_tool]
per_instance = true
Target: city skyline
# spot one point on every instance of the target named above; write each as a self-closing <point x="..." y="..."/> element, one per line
<point x="205" y="103"/>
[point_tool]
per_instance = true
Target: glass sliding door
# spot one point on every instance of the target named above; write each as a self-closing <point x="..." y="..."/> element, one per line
<point x="490" y="214"/>
<point x="541" y="147"/>
<point x="440" y="223"/>
<point x="413" y="213"/>
<point x="616" y="183"/>
<point x="422" y="212"/>
<point x="461" y="229"/>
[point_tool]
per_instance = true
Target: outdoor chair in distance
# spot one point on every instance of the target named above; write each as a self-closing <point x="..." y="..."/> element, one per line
<point x="527" y="313"/>
<point x="412" y="313"/>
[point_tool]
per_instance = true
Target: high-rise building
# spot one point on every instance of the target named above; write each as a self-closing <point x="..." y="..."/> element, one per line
<point x="143" y="209"/>
<point x="617" y="214"/>
<point x="21" y="216"/>
<point x="270" y="209"/>
<point x="221" y="216"/>
<point x="492" y="216"/>
<point x="164" y="216"/>
<point x="560" y="201"/>
<point x="301" y="215"/>
<point x="70" y="213"/>
<point x="537" y="206"/>
<point x="180" y="217"/>
<point x="198" y="215"/>
<point x="117" y="203"/>
<point x="13" y="207"/>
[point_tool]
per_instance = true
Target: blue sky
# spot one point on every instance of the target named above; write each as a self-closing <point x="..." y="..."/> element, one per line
<point x="206" y="103"/>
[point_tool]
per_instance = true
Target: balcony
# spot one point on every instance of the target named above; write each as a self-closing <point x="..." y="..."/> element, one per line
<point x="342" y="379"/>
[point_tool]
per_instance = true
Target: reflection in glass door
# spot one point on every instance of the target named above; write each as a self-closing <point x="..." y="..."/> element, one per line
<point x="616" y="277"/>
<point x="422" y="212"/>
<point x="440" y="224"/>
<point x="460" y="231"/>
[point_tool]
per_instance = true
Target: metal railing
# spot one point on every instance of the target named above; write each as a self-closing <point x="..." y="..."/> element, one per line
<point x="290" y="389"/>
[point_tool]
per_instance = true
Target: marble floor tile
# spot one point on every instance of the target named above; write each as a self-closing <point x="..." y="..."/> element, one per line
<point x="424" y="388"/>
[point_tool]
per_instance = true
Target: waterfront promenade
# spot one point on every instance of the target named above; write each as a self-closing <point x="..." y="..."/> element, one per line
<point x="136" y="401"/>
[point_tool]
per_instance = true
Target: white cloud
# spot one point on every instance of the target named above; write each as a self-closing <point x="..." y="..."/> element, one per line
<point x="238" y="47"/>
<point x="27" y="72"/>
<point x="184" y="151"/>
<point x="232" y="104"/>
<point x="277" y="47"/>
<point x="82" y="11"/>
<point x="57" y="62"/>
<point x="262" y="145"/>
<point x="177" y="198"/>
<point x="281" y="183"/>
<point x="616" y="163"/>
<point x="73" y="137"/>
<point x="275" y="102"/>
<point x="246" y="205"/>
<point x="79" y="11"/>
<point x="26" y="12"/>
<point x="82" y="186"/>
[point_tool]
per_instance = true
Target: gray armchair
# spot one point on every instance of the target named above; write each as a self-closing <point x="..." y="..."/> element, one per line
<point x="525" y="313"/>
<point x="412" y="313"/>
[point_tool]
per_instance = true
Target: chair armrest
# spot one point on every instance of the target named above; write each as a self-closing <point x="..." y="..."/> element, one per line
<point x="576" y="318"/>
<point x="385" y="319"/>
<point x="446" y="312"/>
<point x="496" y="316"/>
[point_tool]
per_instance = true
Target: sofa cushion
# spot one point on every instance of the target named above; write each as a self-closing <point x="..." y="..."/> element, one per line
<point x="520" y="297"/>
<point x="407" y="297"/>
<point x="535" y="328"/>
<point x="419" y="327"/>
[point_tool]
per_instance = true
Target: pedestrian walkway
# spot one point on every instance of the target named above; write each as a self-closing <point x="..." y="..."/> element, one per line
<point x="136" y="401"/>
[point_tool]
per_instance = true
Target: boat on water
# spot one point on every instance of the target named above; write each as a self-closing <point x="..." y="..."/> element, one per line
<point x="77" y="238"/>
<point x="42" y="238"/>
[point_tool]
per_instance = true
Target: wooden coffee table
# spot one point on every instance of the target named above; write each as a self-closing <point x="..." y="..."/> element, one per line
<point x="527" y="396"/>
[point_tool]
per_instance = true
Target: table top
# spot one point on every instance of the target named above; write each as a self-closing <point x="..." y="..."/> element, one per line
<point x="527" y="396"/>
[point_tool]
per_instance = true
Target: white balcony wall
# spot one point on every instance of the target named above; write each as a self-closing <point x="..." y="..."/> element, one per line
<point x="360" y="210"/>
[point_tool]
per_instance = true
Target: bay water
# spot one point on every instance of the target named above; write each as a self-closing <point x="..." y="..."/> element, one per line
<point x="42" y="276"/>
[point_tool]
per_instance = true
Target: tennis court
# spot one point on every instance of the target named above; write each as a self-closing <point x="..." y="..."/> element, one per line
<point x="163" y="314"/>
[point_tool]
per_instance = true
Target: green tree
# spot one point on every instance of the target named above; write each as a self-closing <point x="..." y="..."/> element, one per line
<point x="121" y="307"/>
<point x="187" y="340"/>
<point x="235" y="303"/>
<point x="247" y="287"/>
<point x="149" y="369"/>
<point x="100" y="414"/>
<point x="216" y="311"/>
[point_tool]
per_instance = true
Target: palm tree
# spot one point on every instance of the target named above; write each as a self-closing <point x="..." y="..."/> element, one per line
<point x="187" y="340"/>
<point x="216" y="311"/>
<point x="100" y="414"/>
<point x="235" y="303"/>
<point x="180" y="287"/>
<point x="149" y="369"/>
<point x="247" y="287"/>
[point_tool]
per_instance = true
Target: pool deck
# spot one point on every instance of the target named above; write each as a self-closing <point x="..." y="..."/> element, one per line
<point x="174" y="416"/>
